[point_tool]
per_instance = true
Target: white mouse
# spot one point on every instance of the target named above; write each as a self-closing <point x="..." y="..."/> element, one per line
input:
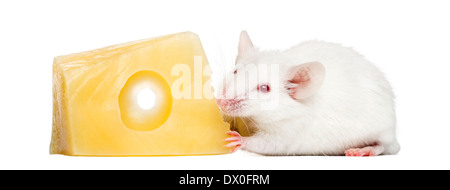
<point x="326" y="100"/>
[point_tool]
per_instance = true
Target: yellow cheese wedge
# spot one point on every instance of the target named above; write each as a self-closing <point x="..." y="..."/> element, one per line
<point x="125" y="100"/>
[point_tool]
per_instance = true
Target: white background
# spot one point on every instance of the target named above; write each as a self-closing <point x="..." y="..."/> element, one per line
<point x="408" y="40"/>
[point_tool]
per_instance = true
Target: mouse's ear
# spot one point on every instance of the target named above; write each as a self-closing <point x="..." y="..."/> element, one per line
<point x="245" y="43"/>
<point x="305" y="79"/>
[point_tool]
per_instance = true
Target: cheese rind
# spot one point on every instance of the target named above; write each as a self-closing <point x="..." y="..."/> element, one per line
<point x="88" y="118"/>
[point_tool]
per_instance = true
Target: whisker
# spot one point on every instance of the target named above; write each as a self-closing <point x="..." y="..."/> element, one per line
<point x="246" y="126"/>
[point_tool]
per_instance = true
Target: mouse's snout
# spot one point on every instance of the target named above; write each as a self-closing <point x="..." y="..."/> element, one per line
<point x="228" y="102"/>
<point x="229" y="105"/>
<point x="219" y="102"/>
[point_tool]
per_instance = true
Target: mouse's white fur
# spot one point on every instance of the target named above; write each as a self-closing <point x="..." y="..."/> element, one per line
<point x="353" y="108"/>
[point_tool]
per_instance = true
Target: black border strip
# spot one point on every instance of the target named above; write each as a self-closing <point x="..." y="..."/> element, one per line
<point x="226" y="178"/>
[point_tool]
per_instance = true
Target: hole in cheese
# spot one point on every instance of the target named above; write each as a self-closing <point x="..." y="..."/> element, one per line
<point x="145" y="101"/>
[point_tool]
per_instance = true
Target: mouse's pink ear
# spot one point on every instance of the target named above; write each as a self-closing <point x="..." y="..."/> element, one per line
<point x="305" y="79"/>
<point x="245" y="43"/>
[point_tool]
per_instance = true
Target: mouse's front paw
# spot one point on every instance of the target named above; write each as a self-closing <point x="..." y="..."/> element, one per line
<point x="234" y="141"/>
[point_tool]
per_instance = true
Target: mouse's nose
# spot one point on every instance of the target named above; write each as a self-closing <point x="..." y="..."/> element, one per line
<point x="223" y="103"/>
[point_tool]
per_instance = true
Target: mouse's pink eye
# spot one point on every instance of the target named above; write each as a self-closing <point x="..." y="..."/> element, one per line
<point x="235" y="71"/>
<point x="264" y="88"/>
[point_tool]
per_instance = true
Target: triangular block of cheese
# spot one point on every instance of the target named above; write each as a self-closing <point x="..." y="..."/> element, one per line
<point x="137" y="98"/>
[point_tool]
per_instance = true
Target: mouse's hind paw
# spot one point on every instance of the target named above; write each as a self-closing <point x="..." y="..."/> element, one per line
<point x="359" y="152"/>
<point x="365" y="151"/>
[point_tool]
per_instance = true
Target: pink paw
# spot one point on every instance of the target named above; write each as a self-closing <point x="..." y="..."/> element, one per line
<point x="367" y="151"/>
<point x="234" y="141"/>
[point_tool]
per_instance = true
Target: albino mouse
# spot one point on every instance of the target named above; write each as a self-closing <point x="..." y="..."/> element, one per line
<point x="329" y="100"/>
